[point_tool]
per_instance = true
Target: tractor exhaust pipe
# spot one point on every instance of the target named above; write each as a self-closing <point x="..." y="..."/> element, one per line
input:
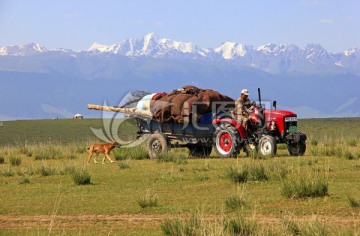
<point x="259" y="94"/>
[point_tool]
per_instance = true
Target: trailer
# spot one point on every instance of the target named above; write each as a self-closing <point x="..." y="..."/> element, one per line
<point x="197" y="135"/>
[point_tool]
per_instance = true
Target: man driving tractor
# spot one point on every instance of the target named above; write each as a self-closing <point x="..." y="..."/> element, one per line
<point x="243" y="107"/>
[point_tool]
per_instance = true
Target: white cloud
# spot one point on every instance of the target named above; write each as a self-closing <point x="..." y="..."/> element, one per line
<point x="326" y="21"/>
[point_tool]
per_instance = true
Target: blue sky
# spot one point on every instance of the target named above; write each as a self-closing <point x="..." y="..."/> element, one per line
<point x="76" y="24"/>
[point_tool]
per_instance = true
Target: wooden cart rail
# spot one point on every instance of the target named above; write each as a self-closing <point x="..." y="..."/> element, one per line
<point x="126" y="110"/>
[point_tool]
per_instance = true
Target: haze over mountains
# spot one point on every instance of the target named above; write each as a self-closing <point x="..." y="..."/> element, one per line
<point x="36" y="82"/>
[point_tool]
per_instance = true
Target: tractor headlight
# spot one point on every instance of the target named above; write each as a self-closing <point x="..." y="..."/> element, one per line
<point x="290" y="119"/>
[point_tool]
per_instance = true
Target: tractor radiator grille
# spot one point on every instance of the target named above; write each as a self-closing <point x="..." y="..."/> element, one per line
<point x="290" y="126"/>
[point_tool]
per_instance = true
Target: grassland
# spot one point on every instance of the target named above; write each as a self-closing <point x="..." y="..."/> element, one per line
<point x="62" y="131"/>
<point x="138" y="196"/>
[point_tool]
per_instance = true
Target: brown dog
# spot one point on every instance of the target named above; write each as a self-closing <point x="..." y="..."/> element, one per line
<point x="102" y="148"/>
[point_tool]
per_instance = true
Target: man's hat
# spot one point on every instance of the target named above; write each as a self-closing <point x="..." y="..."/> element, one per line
<point x="245" y="91"/>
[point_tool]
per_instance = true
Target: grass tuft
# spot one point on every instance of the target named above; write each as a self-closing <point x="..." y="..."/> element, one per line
<point x="81" y="177"/>
<point x="149" y="200"/>
<point x="349" y="156"/>
<point x="67" y="170"/>
<point x="198" y="225"/>
<point x="241" y="226"/>
<point x="303" y="187"/>
<point x="235" y="202"/>
<point x="352" y="142"/>
<point x="164" y="157"/>
<point x="354" y="203"/>
<point x="8" y="173"/>
<point x="25" y="150"/>
<point x="254" y="172"/>
<point x="173" y="227"/>
<point x="292" y="227"/>
<point x="314" y="142"/>
<point x="25" y="180"/>
<point x="15" y="161"/>
<point x="124" y="165"/>
<point x="2" y="160"/>
<point x="258" y="173"/>
<point x="46" y="171"/>
<point x="314" y="228"/>
<point x="238" y="175"/>
<point x="50" y="152"/>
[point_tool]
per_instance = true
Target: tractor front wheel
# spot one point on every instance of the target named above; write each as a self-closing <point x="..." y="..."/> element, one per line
<point x="297" y="149"/>
<point x="267" y="146"/>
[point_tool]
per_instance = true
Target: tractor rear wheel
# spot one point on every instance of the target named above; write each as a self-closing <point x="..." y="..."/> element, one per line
<point x="227" y="140"/>
<point x="157" y="143"/>
<point x="297" y="149"/>
<point x="199" y="151"/>
<point x="267" y="146"/>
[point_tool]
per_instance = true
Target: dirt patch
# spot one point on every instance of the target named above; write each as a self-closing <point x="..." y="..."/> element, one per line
<point x="148" y="220"/>
<point x="76" y="221"/>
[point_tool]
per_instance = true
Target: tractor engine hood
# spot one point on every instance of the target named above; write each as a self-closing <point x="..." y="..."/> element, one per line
<point x="278" y="113"/>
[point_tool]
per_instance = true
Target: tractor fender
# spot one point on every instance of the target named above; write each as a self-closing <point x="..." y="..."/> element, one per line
<point x="233" y="122"/>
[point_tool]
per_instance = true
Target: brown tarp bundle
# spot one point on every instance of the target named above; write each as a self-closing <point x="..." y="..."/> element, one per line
<point x="182" y="104"/>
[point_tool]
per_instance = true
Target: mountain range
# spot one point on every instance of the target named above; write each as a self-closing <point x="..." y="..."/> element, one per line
<point x="36" y="82"/>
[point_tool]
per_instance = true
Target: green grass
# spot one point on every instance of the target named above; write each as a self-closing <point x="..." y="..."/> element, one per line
<point x="64" y="131"/>
<point x="180" y="185"/>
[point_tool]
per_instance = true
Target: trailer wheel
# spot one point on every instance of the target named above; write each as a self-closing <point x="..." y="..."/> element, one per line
<point x="199" y="151"/>
<point x="157" y="143"/>
<point x="227" y="140"/>
<point x="267" y="146"/>
<point x="297" y="149"/>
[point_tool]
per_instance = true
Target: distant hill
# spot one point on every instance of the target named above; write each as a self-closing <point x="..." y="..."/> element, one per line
<point x="36" y="82"/>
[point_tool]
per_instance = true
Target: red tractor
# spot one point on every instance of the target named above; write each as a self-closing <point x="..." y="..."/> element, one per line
<point x="266" y="129"/>
<point x="219" y="130"/>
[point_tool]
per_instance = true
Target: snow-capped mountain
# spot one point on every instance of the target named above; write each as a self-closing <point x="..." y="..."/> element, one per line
<point x="271" y="58"/>
<point x="310" y="81"/>
<point x="22" y="50"/>
<point x="150" y="46"/>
